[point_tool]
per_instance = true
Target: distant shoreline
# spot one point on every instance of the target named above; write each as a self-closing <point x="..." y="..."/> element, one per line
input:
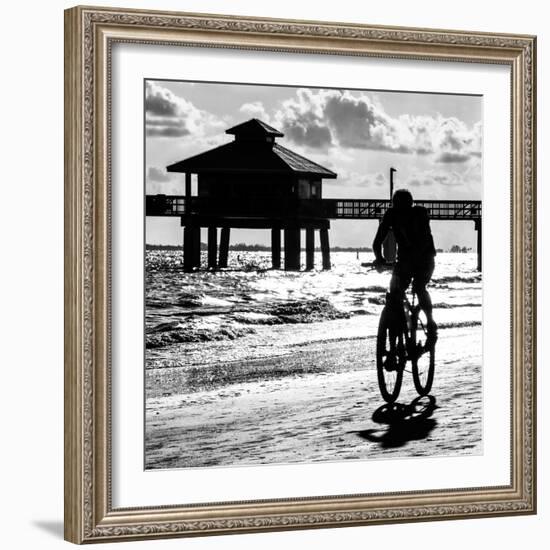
<point x="241" y="247"/>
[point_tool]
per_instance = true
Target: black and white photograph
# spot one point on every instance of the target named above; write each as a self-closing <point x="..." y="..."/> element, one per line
<point x="313" y="274"/>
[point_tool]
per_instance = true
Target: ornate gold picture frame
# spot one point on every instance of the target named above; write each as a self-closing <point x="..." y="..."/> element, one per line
<point x="90" y="34"/>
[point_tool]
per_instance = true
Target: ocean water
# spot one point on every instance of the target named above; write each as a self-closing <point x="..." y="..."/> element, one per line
<point x="248" y="311"/>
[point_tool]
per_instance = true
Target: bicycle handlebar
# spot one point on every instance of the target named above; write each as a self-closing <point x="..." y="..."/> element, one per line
<point x="377" y="265"/>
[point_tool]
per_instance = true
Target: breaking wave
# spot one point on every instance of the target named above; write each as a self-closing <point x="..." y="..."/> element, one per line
<point x="172" y="335"/>
<point x="469" y="278"/>
<point x="244" y="301"/>
<point x="381" y="300"/>
<point x="294" y="311"/>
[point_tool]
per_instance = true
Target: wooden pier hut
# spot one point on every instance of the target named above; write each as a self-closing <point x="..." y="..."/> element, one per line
<point x="254" y="182"/>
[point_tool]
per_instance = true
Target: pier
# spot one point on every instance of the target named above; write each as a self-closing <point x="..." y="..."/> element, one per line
<point x="204" y="212"/>
<point x="255" y="183"/>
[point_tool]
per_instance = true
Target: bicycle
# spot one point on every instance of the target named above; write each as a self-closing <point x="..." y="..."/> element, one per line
<point x="401" y="327"/>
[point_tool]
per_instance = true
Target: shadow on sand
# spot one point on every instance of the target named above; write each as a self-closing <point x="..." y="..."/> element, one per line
<point x="405" y="423"/>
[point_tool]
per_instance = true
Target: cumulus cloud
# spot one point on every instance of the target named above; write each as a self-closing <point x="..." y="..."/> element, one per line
<point x="455" y="142"/>
<point x="312" y="136"/>
<point x="157" y="174"/>
<point x="160" y="101"/>
<point x="157" y="180"/>
<point x="356" y="179"/>
<point x="302" y="120"/>
<point x="168" y="115"/>
<point x="255" y="109"/>
<point x="434" y="177"/>
<point x="380" y="179"/>
<point x="357" y="123"/>
<point x="448" y="156"/>
<point x="320" y="119"/>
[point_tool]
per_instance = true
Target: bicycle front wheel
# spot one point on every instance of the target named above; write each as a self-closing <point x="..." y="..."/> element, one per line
<point x="390" y="356"/>
<point x="423" y="361"/>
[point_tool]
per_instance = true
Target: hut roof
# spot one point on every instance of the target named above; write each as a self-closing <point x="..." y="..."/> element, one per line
<point x="254" y="127"/>
<point x="251" y="155"/>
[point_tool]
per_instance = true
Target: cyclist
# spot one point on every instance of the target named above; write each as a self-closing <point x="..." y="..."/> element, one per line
<point x="415" y="253"/>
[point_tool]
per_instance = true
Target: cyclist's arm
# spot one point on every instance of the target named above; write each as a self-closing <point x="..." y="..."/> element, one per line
<point x="383" y="229"/>
<point x="425" y="223"/>
<point x="425" y="230"/>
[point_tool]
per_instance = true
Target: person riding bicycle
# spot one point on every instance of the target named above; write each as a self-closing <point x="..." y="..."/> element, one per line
<point x="415" y="253"/>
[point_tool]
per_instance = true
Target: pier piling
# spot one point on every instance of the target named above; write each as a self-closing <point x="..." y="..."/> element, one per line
<point x="310" y="248"/>
<point x="292" y="249"/>
<point x="196" y="249"/>
<point x="212" y="247"/>
<point x="276" y="248"/>
<point x="325" y="248"/>
<point x="188" y="248"/>
<point x="224" y="246"/>
<point x="479" y="243"/>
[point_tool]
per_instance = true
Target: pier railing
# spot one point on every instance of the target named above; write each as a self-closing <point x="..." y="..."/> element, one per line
<point x="352" y="209"/>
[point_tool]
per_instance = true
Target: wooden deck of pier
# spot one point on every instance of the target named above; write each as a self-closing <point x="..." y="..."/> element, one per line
<point x="293" y="215"/>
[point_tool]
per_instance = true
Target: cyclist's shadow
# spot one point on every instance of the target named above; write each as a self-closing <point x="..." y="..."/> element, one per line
<point x="405" y="423"/>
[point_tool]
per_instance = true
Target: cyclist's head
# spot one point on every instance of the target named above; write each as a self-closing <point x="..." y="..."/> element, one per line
<point x="401" y="199"/>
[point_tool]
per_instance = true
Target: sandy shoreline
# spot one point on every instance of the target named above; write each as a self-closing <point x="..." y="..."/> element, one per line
<point x="311" y="405"/>
<point x="340" y="355"/>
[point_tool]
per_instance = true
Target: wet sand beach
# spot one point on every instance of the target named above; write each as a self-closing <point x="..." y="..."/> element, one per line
<point x="317" y="401"/>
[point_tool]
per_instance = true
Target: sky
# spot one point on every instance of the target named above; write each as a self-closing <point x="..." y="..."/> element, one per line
<point x="434" y="141"/>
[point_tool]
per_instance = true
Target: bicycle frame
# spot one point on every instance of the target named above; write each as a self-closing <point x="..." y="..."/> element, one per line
<point x="397" y="342"/>
<point x="409" y="308"/>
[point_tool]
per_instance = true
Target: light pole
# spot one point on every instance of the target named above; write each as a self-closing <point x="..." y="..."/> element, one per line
<point x="388" y="246"/>
<point x="392" y="172"/>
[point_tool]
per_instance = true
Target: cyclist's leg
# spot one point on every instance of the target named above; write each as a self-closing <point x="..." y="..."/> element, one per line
<point x="400" y="281"/>
<point x="422" y="276"/>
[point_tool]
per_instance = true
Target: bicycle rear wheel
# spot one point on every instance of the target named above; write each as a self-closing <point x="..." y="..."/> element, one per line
<point x="423" y="361"/>
<point x="390" y="356"/>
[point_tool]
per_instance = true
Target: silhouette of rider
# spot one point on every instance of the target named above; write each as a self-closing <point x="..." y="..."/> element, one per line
<point x="415" y="253"/>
